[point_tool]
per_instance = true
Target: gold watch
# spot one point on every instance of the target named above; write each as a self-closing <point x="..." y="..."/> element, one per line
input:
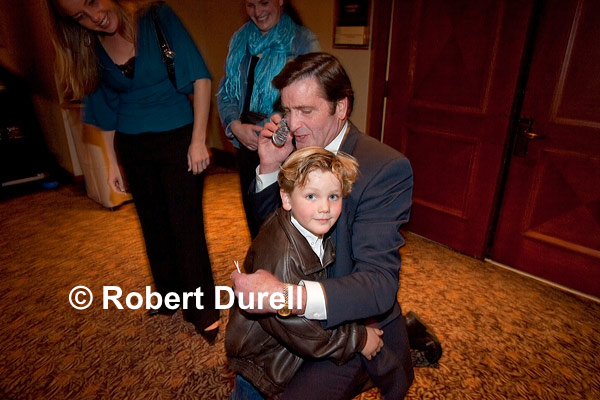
<point x="285" y="310"/>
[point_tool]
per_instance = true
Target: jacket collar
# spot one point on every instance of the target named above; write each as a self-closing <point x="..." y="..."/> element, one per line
<point x="309" y="261"/>
<point x="350" y="139"/>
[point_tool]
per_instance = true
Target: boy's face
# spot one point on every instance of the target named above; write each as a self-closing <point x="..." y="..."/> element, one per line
<point x="318" y="204"/>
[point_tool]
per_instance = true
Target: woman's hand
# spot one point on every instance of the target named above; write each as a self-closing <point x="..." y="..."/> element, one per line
<point x="115" y="179"/>
<point x="198" y="157"/>
<point x="374" y="343"/>
<point x="246" y="134"/>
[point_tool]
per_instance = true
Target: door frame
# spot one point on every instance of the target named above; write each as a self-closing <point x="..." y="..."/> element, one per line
<point x="380" y="39"/>
<point x="515" y="115"/>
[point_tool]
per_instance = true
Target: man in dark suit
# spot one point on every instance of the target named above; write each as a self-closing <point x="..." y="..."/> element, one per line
<point x="317" y="98"/>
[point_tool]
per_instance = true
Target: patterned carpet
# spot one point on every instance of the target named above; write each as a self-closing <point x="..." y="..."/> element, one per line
<point x="505" y="336"/>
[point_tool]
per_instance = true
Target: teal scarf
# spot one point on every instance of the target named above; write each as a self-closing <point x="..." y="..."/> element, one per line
<point x="275" y="45"/>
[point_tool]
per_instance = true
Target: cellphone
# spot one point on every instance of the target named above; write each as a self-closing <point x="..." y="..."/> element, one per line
<point x="281" y="134"/>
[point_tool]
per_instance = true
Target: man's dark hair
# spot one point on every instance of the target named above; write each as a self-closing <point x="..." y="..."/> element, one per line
<point x="328" y="71"/>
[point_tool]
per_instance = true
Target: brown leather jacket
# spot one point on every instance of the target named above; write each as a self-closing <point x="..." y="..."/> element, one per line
<point x="267" y="349"/>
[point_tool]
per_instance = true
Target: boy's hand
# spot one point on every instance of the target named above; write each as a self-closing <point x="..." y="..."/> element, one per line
<point x="374" y="343"/>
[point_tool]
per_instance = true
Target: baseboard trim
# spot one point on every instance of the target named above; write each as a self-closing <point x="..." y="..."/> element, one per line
<point x="547" y="282"/>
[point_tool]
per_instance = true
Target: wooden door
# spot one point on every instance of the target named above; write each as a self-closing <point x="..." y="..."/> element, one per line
<point x="452" y="76"/>
<point x="549" y="224"/>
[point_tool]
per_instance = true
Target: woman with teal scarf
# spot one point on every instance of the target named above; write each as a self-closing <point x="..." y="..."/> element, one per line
<point x="246" y="98"/>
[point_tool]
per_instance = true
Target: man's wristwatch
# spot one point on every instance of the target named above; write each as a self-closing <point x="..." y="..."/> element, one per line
<point x="285" y="311"/>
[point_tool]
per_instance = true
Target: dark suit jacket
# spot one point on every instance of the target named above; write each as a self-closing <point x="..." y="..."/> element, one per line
<point x="363" y="281"/>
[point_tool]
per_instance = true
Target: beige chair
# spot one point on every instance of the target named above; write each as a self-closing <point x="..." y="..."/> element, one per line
<point x="93" y="159"/>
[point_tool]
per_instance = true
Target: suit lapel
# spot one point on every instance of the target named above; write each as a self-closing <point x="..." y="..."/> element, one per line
<point x="350" y="140"/>
<point x="348" y="145"/>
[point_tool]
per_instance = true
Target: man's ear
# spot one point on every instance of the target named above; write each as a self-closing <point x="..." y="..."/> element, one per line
<point x="341" y="108"/>
<point x="285" y="200"/>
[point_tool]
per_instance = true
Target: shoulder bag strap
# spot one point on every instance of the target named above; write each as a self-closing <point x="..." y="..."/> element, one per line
<point x="168" y="54"/>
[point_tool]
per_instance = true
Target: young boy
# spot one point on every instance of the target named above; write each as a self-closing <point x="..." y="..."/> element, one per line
<point x="267" y="350"/>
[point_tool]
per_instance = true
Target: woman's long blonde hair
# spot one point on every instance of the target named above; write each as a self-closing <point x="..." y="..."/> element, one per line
<point x="76" y="47"/>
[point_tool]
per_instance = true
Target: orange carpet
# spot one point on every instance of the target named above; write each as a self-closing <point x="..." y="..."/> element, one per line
<point x="505" y="336"/>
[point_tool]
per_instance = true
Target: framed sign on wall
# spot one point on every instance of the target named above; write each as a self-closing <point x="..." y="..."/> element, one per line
<point x="351" y="24"/>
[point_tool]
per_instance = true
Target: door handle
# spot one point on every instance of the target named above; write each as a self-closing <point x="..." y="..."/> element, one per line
<point x="523" y="136"/>
<point x="531" y="136"/>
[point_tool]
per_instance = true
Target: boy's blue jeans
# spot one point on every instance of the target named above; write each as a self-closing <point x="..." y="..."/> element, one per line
<point x="244" y="390"/>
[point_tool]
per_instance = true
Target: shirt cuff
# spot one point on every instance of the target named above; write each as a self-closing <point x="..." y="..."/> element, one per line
<point x="229" y="132"/>
<point x="315" y="301"/>
<point x="265" y="180"/>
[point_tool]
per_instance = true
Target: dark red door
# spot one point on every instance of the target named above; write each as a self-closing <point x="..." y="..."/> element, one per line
<point x="549" y="222"/>
<point x="452" y="77"/>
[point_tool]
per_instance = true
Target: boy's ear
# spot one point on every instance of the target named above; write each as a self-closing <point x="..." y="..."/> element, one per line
<point x="285" y="200"/>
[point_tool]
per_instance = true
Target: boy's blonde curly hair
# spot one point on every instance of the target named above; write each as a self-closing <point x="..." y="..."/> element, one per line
<point x="294" y="171"/>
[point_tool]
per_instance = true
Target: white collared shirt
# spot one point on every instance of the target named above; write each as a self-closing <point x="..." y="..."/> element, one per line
<point x="315" y="242"/>
<point x="315" y="295"/>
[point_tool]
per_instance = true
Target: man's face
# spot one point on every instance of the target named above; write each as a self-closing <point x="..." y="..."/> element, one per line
<point x="318" y="204"/>
<point x="309" y="115"/>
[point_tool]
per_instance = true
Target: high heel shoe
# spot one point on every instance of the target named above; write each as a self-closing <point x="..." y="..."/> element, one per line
<point x="210" y="336"/>
<point x="161" y="311"/>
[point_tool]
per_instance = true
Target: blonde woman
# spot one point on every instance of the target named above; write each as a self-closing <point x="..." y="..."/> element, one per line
<point x="109" y="56"/>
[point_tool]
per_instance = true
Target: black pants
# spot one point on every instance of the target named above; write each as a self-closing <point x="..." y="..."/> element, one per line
<point x="168" y="200"/>
<point x="391" y="371"/>
<point x="247" y="161"/>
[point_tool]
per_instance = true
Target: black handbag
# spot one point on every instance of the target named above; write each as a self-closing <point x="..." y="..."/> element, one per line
<point x="168" y="54"/>
<point x="251" y="117"/>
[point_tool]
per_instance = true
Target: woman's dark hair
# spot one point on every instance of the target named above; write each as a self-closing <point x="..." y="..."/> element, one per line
<point x="328" y="71"/>
<point x="291" y="11"/>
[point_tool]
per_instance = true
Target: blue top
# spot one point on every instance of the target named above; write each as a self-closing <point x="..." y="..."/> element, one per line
<point x="229" y="109"/>
<point x="149" y="102"/>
